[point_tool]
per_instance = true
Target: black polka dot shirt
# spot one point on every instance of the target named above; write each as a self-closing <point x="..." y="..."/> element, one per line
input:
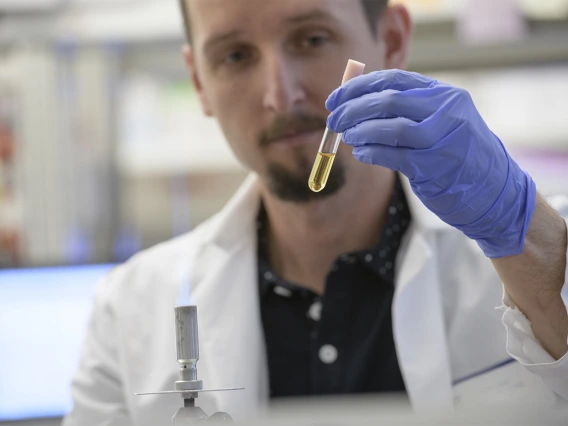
<point x="340" y="342"/>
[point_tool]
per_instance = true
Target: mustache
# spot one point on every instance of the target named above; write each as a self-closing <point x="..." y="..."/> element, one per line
<point x="288" y="125"/>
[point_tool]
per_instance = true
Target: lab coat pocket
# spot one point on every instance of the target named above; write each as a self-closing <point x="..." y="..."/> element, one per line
<point x="504" y="384"/>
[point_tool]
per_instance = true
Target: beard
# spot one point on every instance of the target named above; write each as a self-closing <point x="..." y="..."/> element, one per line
<point x="289" y="185"/>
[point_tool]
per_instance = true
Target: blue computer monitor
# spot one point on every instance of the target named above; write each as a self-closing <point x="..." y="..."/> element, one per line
<point x="43" y="319"/>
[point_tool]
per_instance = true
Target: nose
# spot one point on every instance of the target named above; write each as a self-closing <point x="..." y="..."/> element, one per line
<point x="283" y="88"/>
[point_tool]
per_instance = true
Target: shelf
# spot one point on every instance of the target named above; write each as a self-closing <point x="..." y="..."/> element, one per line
<point x="436" y="48"/>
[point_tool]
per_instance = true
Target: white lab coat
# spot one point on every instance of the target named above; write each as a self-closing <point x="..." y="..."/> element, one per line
<point x="449" y="335"/>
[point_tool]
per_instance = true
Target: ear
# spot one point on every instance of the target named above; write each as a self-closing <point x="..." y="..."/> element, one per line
<point x="190" y="63"/>
<point x="395" y="31"/>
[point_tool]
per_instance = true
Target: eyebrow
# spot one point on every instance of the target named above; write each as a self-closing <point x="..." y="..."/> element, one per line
<point x="312" y="15"/>
<point x="297" y="19"/>
<point x="220" y="39"/>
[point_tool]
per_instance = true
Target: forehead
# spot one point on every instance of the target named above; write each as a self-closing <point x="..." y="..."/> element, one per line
<point x="210" y="18"/>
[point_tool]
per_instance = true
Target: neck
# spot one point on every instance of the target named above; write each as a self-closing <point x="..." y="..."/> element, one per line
<point x="305" y="239"/>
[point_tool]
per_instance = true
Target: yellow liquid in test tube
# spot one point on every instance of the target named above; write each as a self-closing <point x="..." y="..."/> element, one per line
<point x="320" y="171"/>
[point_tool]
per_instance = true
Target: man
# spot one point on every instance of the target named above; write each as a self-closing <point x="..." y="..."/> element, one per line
<point x="294" y="289"/>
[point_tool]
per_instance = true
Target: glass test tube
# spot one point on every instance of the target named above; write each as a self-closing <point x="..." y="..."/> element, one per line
<point x="330" y="142"/>
<point x="324" y="160"/>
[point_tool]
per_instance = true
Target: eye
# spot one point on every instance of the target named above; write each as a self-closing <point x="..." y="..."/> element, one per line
<point x="311" y="41"/>
<point x="315" y="41"/>
<point x="236" y="57"/>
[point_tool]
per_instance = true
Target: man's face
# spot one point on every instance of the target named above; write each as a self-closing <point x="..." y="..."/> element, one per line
<point x="264" y="68"/>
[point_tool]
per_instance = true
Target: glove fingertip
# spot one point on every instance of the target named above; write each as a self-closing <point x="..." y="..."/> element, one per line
<point x="331" y="123"/>
<point x="348" y="137"/>
<point x="363" y="158"/>
<point x="330" y="103"/>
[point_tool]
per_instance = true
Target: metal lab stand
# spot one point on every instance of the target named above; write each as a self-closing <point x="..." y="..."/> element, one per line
<point x="189" y="387"/>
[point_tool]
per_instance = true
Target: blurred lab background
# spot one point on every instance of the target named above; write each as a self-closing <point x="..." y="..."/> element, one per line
<point x="104" y="150"/>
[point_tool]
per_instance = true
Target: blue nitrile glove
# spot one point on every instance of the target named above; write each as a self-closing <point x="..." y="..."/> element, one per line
<point x="432" y="133"/>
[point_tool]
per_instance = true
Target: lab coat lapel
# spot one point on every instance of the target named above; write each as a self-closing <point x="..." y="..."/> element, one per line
<point x="232" y="355"/>
<point x="418" y="318"/>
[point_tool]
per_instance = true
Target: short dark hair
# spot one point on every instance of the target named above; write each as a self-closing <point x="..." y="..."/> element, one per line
<point x="372" y="8"/>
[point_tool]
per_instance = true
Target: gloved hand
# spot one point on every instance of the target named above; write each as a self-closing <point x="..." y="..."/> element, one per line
<point x="432" y="133"/>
